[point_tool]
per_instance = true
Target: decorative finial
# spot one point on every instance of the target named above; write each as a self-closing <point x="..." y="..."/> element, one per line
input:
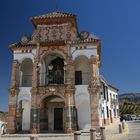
<point x="56" y="7"/>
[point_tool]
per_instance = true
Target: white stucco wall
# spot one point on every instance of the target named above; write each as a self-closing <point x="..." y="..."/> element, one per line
<point x="21" y="56"/>
<point x="89" y="51"/>
<point x="25" y="97"/>
<point x="112" y="92"/>
<point x="104" y="105"/>
<point x="83" y="106"/>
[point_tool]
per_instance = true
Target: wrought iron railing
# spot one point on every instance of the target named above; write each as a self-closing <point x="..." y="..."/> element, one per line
<point x="54" y="79"/>
<point x="26" y="81"/>
<point x="114" y="102"/>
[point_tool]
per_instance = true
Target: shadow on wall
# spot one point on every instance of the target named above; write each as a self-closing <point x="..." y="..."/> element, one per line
<point x="83" y="109"/>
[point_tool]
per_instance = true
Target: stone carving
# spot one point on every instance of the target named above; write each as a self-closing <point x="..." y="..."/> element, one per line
<point x="94" y="72"/>
<point x="12" y="92"/>
<point x="54" y="32"/>
<point x="36" y="36"/>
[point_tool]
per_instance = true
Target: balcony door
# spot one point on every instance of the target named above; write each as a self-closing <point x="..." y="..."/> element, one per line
<point x="78" y="77"/>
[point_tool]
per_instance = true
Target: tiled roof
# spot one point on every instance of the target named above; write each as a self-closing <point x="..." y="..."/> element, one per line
<point x="91" y="38"/>
<point x="106" y="82"/>
<point x="54" y="15"/>
<point x="21" y="45"/>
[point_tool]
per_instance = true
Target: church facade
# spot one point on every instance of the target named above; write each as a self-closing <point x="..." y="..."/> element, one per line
<point x="56" y="85"/>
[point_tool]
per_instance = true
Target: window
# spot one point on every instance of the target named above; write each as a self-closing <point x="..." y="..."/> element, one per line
<point x="107" y="112"/>
<point x="78" y="77"/>
<point x="114" y="112"/>
<point x="110" y="98"/>
<point x="104" y="90"/>
<point x="107" y="93"/>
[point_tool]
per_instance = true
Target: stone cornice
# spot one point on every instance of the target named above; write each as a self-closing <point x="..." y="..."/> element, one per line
<point x="53" y="43"/>
<point x="57" y="20"/>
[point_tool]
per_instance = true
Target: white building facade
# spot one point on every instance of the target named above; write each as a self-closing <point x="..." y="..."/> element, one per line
<point x="109" y="103"/>
<point x="56" y="85"/>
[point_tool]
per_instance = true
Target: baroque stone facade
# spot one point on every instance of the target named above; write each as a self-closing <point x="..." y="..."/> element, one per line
<point x="55" y="78"/>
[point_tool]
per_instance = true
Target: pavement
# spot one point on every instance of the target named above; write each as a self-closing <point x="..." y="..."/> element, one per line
<point x="112" y="132"/>
<point x="131" y="132"/>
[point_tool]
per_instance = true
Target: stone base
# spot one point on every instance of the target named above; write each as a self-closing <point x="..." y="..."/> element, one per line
<point x="97" y="128"/>
<point x="11" y="131"/>
<point x="116" y="120"/>
<point x="34" y="130"/>
<point x="105" y="122"/>
<point x="70" y="130"/>
<point x="108" y="121"/>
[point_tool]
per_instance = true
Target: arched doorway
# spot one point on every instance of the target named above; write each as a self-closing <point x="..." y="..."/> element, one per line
<point x="52" y="116"/>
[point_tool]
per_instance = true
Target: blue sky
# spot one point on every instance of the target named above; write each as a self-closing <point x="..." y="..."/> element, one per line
<point x="115" y="22"/>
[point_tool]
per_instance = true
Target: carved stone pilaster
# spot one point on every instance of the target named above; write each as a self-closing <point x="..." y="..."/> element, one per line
<point x="69" y="95"/>
<point x="94" y="72"/>
<point x="70" y="72"/>
<point x="70" y="125"/>
<point x="35" y="76"/>
<point x="35" y="127"/>
<point x="94" y="107"/>
<point x="34" y="92"/>
<point x="14" y="79"/>
<point x="13" y="94"/>
<point x="36" y="69"/>
<point x="35" y="120"/>
<point x="94" y="90"/>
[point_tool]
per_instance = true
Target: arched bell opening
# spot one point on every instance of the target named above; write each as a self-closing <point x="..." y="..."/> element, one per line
<point x="53" y="69"/>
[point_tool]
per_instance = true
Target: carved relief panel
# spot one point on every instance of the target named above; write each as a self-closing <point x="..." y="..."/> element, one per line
<point x="54" y="32"/>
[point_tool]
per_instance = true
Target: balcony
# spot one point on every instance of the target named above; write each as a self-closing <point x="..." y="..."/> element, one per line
<point x="54" y="79"/>
<point x="114" y="103"/>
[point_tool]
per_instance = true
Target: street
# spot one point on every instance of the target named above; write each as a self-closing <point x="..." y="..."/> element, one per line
<point x="132" y="131"/>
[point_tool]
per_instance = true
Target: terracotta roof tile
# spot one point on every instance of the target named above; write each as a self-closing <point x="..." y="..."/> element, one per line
<point x="54" y="15"/>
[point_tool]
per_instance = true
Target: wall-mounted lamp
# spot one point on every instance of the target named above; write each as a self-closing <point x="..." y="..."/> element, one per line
<point x="65" y="66"/>
<point x="37" y="68"/>
<point x="50" y="67"/>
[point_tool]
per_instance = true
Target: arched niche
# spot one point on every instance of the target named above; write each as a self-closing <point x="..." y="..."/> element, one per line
<point x="81" y="65"/>
<point x="26" y="72"/>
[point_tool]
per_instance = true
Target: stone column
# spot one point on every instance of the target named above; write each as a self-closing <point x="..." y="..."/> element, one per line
<point x="70" y="72"/>
<point x="70" y="125"/>
<point x="36" y="69"/>
<point x="35" y="127"/>
<point x="94" y="90"/>
<point x="35" y="75"/>
<point x="13" y="95"/>
<point x="35" y="122"/>
<point x="12" y="110"/>
<point x="15" y="68"/>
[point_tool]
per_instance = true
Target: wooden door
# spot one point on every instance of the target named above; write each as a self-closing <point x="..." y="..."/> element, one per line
<point x="58" y="118"/>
